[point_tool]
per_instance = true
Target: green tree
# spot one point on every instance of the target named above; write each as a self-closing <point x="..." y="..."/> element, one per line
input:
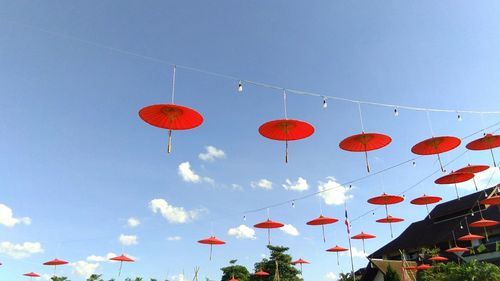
<point x="287" y="271"/>
<point x="391" y="275"/>
<point x="234" y="270"/>
<point x="95" y="277"/>
<point x="59" y="278"/>
<point x="473" y="271"/>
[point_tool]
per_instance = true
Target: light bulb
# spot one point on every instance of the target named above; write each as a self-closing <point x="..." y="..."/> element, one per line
<point x="293" y="204"/>
<point x="472" y="214"/>
<point x="414" y="164"/>
<point x="325" y="104"/>
<point x="244" y="218"/>
<point x="461" y="226"/>
<point x="459" y="117"/>
<point x="240" y="86"/>
<point x="396" y="112"/>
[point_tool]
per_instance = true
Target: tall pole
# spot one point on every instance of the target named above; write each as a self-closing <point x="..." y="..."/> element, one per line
<point x="349" y="238"/>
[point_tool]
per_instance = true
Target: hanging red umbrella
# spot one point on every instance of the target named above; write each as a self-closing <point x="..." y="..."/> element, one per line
<point x="457" y="250"/>
<point x="426" y="200"/>
<point x="121" y="258"/>
<point x="261" y="273"/>
<point x="211" y="241"/>
<point x="424" y="267"/>
<point x="337" y="249"/>
<point x="412" y="268"/>
<point x="489" y="142"/>
<point x="322" y="220"/>
<point x="301" y="262"/>
<point x="171" y="117"/>
<point x="32" y="275"/>
<point x="286" y="130"/>
<point x="454" y="178"/>
<point x="470" y="237"/>
<point x="438" y="259"/>
<point x="386" y="199"/>
<point x="362" y="236"/>
<point x="269" y="224"/>
<point x="474" y="169"/>
<point x="365" y="142"/>
<point x="233" y="279"/>
<point x="436" y="145"/>
<point x="483" y="223"/>
<point x="389" y="219"/>
<point x="55" y="263"/>
<point x="493" y="200"/>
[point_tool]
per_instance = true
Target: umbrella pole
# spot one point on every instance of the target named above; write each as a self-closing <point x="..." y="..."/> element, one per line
<point x="475" y="184"/>
<point x="169" y="148"/>
<point x="366" y="160"/>
<point x="441" y="164"/>
<point x="324" y="238"/>
<point x="268" y="236"/>
<point x="456" y="190"/>
<point x="363" y="245"/>
<point x="493" y="156"/>
<point x="210" y="257"/>
<point x="286" y="151"/>
<point x="427" y="208"/>
<point x="55" y="267"/>
<point x="390" y="226"/>
<point x="486" y="234"/>
<point x="120" y="269"/>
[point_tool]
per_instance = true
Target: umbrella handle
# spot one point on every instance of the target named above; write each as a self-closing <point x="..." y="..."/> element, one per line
<point x="390" y="226"/>
<point x="441" y="164"/>
<point x="475" y="184"/>
<point x="286" y="151"/>
<point x="486" y="234"/>
<point x="427" y="208"/>
<point x="366" y="160"/>
<point x="120" y="269"/>
<point x="210" y="258"/>
<point x="493" y="156"/>
<point x="269" y="236"/>
<point x="324" y="238"/>
<point x="169" y="148"/>
<point x="338" y="263"/>
<point x="456" y="190"/>
<point x="363" y="245"/>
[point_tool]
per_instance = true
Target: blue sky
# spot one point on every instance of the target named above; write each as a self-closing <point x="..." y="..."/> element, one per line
<point x="77" y="162"/>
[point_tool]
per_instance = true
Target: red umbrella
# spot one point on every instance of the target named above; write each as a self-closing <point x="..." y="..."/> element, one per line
<point x="322" y="220"/>
<point x="474" y="169"/>
<point x="365" y="142"/>
<point x="362" y="236"/>
<point x="413" y="268"/>
<point x="301" y="262"/>
<point x="261" y="273"/>
<point x="269" y="224"/>
<point x="211" y="241"/>
<point x="337" y="249"/>
<point x="121" y="258"/>
<point x="389" y="219"/>
<point x="171" y="117"/>
<point x="424" y="267"/>
<point x="457" y="250"/>
<point x="426" y="200"/>
<point x="483" y="223"/>
<point x="233" y="279"/>
<point x="286" y="130"/>
<point x="55" y="263"/>
<point x="436" y="145"/>
<point x="31" y="275"/>
<point x="438" y="259"/>
<point x="454" y="178"/>
<point x="470" y="237"/>
<point x="489" y="141"/>
<point x="493" y="200"/>
<point x="386" y="199"/>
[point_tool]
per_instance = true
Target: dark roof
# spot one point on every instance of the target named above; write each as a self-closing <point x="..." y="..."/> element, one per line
<point x="369" y="273"/>
<point x="438" y="230"/>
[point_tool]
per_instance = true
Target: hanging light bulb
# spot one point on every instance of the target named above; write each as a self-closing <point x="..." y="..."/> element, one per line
<point x="459" y="117"/>
<point x="244" y="218"/>
<point x="461" y="226"/>
<point x="240" y="86"/>
<point x="396" y="112"/>
<point x="325" y="104"/>
<point x="414" y="164"/>
<point x="293" y="203"/>
<point x="472" y="214"/>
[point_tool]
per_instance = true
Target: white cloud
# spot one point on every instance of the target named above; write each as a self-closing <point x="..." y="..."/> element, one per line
<point x="187" y="173"/>
<point x="212" y="154"/>
<point x="174" y="238"/>
<point x="236" y="186"/>
<point x="262" y="183"/>
<point x="242" y="232"/>
<point x="355" y="253"/>
<point x="331" y="276"/>
<point x="47" y="277"/>
<point x="84" y="268"/>
<point x="332" y="192"/>
<point x="178" y="277"/>
<point x="94" y="258"/>
<point x="133" y="222"/>
<point x="171" y="213"/>
<point x="7" y="217"/>
<point x="20" y="251"/>
<point x="290" y="230"/>
<point x="299" y="185"/>
<point x="128" y="240"/>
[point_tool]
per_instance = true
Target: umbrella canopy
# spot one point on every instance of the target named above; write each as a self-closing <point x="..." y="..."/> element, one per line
<point x="483" y="223"/>
<point x="322" y="220"/>
<point x="365" y="142"/>
<point x="233" y="279"/>
<point x="269" y="224"/>
<point x="493" y="200"/>
<point x="470" y="237"/>
<point x="337" y="249"/>
<point x="121" y="258"/>
<point x="489" y="141"/>
<point x="457" y="250"/>
<point x="474" y="169"/>
<point x="436" y="145"/>
<point x="55" y="262"/>
<point x="414" y="268"/>
<point x="426" y="200"/>
<point x="454" y="178"/>
<point x="300" y="261"/>
<point x="171" y="117"/>
<point x="261" y="273"/>
<point x="211" y="241"/>
<point x="286" y="130"/>
<point x="32" y="274"/>
<point x="389" y="219"/>
<point x="438" y="259"/>
<point x="424" y="267"/>
<point x="385" y="199"/>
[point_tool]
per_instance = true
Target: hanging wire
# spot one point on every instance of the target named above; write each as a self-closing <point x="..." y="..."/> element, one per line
<point x="173" y="83"/>
<point x="429" y="122"/>
<point x="284" y="103"/>
<point x="361" y="118"/>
